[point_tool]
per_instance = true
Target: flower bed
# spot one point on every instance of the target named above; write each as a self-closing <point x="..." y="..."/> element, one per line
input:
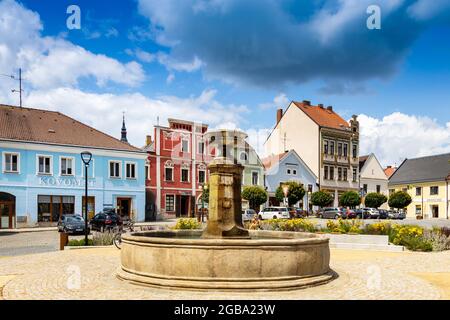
<point x="412" y="237"/>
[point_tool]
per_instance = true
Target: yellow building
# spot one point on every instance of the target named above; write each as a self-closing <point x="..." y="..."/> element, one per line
<point x="426" y="180"/>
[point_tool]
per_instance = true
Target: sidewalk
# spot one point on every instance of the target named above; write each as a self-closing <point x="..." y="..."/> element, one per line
<point x="168" y="222"/>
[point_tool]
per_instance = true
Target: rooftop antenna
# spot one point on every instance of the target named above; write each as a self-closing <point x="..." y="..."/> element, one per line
<point x="20" y="84"/>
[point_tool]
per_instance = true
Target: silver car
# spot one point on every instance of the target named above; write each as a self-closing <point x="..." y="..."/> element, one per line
<point x="332" y="213"/>
<point x="248" y="214"/>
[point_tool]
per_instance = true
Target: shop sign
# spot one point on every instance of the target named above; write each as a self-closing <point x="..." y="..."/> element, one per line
<point x="65" y="182"/>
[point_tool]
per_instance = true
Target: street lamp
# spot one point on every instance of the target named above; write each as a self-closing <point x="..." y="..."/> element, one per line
<point x="86" y="157"/>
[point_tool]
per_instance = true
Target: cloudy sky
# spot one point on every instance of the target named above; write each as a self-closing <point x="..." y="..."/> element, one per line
<point x="232" y="63"/>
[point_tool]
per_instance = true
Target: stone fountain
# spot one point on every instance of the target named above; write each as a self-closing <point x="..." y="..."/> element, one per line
<point x="225" y="255"/>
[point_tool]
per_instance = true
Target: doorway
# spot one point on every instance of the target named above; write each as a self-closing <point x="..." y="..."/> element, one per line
<point x="435" y="211"/>
<point x="184" y="207"/>
<point x="124" y="207"/>
<point x="7" y="210"/>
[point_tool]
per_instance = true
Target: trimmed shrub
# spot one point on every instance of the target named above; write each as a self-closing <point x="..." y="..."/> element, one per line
<point x="295" y="194"/>
<point x="255" y="195"/>
<point x="321" y="199"/>
<point x="399" y="200"/>
<point x="350" y="199"/>
<point x="374" y="200"/>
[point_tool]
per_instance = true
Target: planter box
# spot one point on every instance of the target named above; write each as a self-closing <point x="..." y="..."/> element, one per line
<point x="362" y="242"/>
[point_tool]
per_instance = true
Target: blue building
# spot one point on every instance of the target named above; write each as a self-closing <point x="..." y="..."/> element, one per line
<point x="287" y="167"/>
<point x="42" y="175"/>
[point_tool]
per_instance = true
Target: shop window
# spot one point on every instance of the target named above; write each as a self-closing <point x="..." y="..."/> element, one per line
<point x="130" y="170"/>
<point x="44" y="165"/>
<point x="170" y="203"/>
<point x="51" y="208"/>
<point x="66" y="166"/>
<point x="114" y="169"/>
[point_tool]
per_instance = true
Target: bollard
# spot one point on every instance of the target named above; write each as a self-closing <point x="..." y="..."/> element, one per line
<point x="63" y="240"/>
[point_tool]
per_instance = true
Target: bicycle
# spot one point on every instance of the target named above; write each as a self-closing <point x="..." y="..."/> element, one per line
<point x="128" y="226"/>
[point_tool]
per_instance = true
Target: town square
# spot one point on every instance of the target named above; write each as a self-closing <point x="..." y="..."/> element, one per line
<point x="177" y="151"/>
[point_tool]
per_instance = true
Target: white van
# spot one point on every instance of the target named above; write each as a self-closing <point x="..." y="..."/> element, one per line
<point x="274" y="213"/>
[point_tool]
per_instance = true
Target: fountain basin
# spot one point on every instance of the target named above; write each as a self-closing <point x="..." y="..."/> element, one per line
<point x="269" y="260"/>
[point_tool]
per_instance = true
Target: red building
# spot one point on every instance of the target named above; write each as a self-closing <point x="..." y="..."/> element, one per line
<point x="176" y="168"/>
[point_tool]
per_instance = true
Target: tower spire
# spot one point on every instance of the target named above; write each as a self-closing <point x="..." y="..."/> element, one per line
<point x="124" y="130"/>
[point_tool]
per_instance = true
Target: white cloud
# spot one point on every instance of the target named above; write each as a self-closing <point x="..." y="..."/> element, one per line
<point x="53" y="61"/>
<point x="280" y="101"/>
<point x="173" y="64"/>
<point x="398" y="136"/>
<point x="104" y="111"/>
<point x="425" y="9"/>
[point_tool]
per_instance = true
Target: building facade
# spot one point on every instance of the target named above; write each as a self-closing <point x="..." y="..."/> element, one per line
<point x="328" y="144"/>
<point x="372" y="177"/>
<point x="42" y="175"/>
<point x="287" y="167"/>
<point x="177" y="168"/>
<point x="426" y="180"/>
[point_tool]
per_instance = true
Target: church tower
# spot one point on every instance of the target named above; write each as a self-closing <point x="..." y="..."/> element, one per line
<point x="124" y="131"/>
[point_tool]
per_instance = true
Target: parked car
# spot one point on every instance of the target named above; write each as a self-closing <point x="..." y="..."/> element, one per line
<point x="72" y="224"/>
<point x="397" y="215"/>
<point x="248" y="214"/>
<point x="363" y="213"/>
<point x="300" y="213"/>
<point x="105" y="220"/>
<point x="374" y="213"/>
<point x="274" y="213"/>
<point x="383" y="214"/>
<point x="350" y="214"/>
<point x="333" y="213"/>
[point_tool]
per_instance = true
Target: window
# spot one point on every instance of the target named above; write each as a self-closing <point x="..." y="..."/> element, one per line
<point x="434" y="191"/>
<point x="11" y="162"/>
<point x="294" y="172"/>
<point x="418" y="210"/>
<point x="345" y="149"/>
<point x="244" y="156"/>
<point x="365" y="188"/>
<point x="114" y="169"/>
<point x="255" y="178"/>
<point x="378" y="188"/>
<point x="331" y="173"/>
<point x="184" y="175"/>
<point x="355" y="151"/>
<point x="325" y="146"/>
<point x="168" y="172"/>
<point x="325" y="172"/>
<point x="184" y="145"/>
<point x="130" y="170"/>
<point x="44" y="165"/>
<point x="288" y="171"/>
<point x="345" y="174"/>
<point x="339" y="149"/>
<point x="355" y="174"/>
<point x="67" y="167"/>
<point x="147" y="172"/>
<point x="201" y="147"/>
<point x="405" y="189"/>
<point x="332" y="147"/>
<point x="418" y="191"/>
<point x="50" y="208"/>
<point x="170" y="202"/>
<point x="201" y="176"/>
<point x="339" y="174"/>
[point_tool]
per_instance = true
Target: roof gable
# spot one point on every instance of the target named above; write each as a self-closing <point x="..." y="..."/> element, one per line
<point x="431" y="168"/>
<point x="273" y="162"/>
<point x="43" y="126"/>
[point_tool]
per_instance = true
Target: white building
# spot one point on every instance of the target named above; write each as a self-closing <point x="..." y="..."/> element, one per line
<point x="372" y="177"/>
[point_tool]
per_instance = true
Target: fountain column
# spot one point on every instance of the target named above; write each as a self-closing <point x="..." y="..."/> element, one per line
<point x="225" y="183"/>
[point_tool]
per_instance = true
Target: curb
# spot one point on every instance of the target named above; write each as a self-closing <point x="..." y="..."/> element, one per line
<point x="88" y="247"/>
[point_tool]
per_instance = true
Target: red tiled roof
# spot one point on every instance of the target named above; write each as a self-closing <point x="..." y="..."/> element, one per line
<point x="272" y="160"/>
<point x="35" y="125"/>
<point x="389" y="171"/>
<point x="323" y="117"/>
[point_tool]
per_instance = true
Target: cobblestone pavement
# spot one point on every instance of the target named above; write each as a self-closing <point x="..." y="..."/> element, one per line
<point x="362" y="275"/>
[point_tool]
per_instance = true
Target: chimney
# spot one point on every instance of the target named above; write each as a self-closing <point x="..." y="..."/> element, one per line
<point x="279" y="115"/>
<point x="307" y="102"/>
<point x="148" y="140"/>
<point x="330" y="108"/>
<point x="320" y="105"/>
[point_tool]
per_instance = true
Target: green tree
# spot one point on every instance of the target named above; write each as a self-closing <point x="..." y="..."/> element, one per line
<point x="399" y="200"/>
<point x="374" y="200"/>
<point x="205" y="193"/>
<point x="321" y="199"/>
<point x="255" y="195"/>
<point x="350" y="199"/>
<point x="296" y="192"/>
